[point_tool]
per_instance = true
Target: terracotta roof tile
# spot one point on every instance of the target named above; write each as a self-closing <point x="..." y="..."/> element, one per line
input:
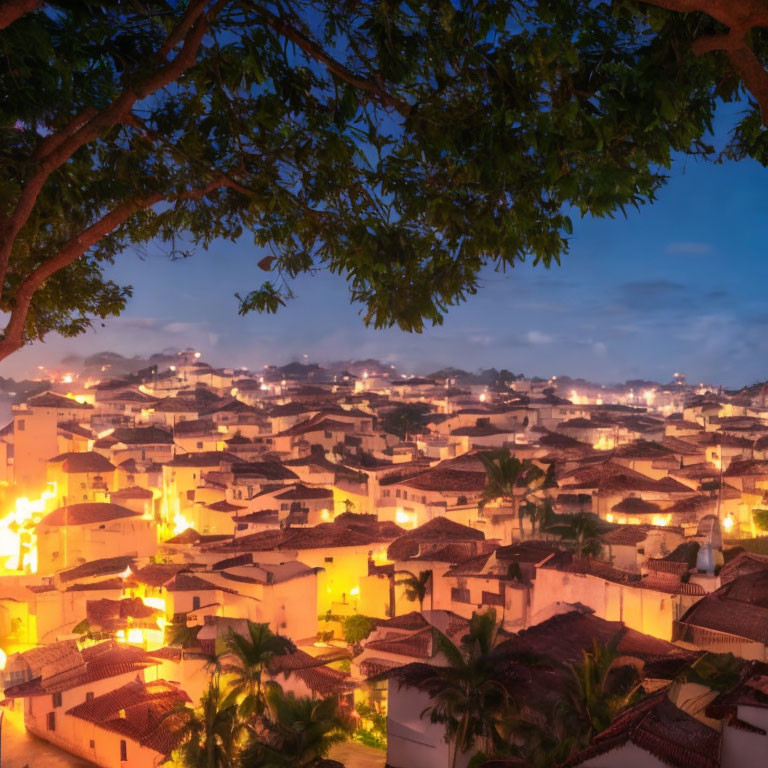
<point x="86" y="461"/>
<point x="87" y="513"/>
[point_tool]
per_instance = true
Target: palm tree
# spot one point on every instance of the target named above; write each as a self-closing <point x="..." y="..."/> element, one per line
<point x="416" y="587"/>
<point x="539" y="513"/>
<point x="294" y="732"/>
<point x="466" y="695"/>
<point x="210" y="731"/>
<point x="251" y="655"/>
<point x="597" y="690"/>
<point x="511" y="480"/>
<point x="583" y="529"/>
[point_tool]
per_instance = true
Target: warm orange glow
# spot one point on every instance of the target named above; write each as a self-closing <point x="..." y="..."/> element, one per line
<point x="728" y="523"/>
<point x="180" y="524"/>
<point x="18" y="540"/>
<point x="660" y="520"/>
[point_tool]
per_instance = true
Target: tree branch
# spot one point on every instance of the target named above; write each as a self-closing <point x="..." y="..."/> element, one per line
<point x="10" y="10"/>
<point x="311" y="48"/>
<point x="89" y="125"/>
<point x="740" y="16"/>
<point x="13" y="335"/>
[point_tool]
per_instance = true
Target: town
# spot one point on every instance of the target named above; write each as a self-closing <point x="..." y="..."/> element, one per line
<point x="444" y="570"/>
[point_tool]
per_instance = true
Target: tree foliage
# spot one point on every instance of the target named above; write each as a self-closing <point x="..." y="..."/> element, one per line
<point x="250" y="657"/>
<point x="296" y="732"/>
<point x="401" y="146"/>
<point x="415" y="586"/>
<point x="406" y="419"/>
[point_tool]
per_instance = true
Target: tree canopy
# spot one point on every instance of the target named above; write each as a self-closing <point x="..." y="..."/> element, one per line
<point x="402" y="146"/>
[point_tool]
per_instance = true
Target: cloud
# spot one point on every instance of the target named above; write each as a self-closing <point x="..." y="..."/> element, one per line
<point x="653" y="295"/>
<point x="689" y="248"/>
<point x="537" y="337"/>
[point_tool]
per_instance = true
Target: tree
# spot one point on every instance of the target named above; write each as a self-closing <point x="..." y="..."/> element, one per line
<point x="251" y="656"/>
<point x="296" y="732"/>
<point x="356" y="628"/>
<point x="416" y="587"/>
<point x="511" y="480"/>
<point x="598" y="689"/>
<point x="466" y="695"/>
<point x="211" y="731"/>
<point x="403" y="147"/>
<point x="406" y="419"/>
<point x="583" y="529"/>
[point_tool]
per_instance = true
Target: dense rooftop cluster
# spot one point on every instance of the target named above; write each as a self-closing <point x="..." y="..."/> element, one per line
<point x="384" y="531"/>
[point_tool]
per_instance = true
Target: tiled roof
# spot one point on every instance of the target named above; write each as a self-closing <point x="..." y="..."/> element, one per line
<point x="98" y="662"/>
<point x="138" y="711"/>
<point x="628" y="535"/>
<point x="657" y="726"/>
<point x="52" y="400"/>
<point x="269" y="470"/>
<point x="738" y="608"/>
<point x="142" y="436"/>
<point x="439" y="530"/>
<point x="87" y="461"/>
<point x="300" y="492"/>
<point x="87" y="513"/>
<point x="633" y="505"/>
<point x="73" y="428"/>
<point x="104" y="567"/>
<point x="418" y="645"/>
<point x="224" y="506"/>
<point x="566" y="636"/>
<point x="158" y="574"/>
<point x="189" y="582"/>
<point x="746" y="468"/>
<point x="742" y="564"/>
<point x="113" y="584"/>
<point x="109" y="615"/>
<point x="132" y="492"/>
<point x="447" y="480"/>
<point x="203" y="459"/>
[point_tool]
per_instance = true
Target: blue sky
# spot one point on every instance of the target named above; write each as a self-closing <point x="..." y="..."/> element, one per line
<point x="680" y="285"/>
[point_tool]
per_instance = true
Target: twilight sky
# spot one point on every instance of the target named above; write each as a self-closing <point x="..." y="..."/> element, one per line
<point x="680" y="285"/>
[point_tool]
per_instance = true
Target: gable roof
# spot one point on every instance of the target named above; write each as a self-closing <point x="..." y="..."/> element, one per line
<point x="87" y="513"/>
<point x="657" y="726"/>
<point x="439" y="530"/>
<point x="86" y="461"/>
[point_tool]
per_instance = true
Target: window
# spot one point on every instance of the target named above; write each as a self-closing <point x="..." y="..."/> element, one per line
<point x="328" y="434"/>
<point x="20" y="425"/>
<point x="56" y="699"/>
<point x="196" y="602"/>
<point x="89" y="696"/>
<point x="459" y="595"/>
<point x="405" y="494"/>
<point x="199" y="444"/>
<point x="123" y="751"/>
<point x="386" y="493"/>
<point x="92" y="744"/>
<point x="397" y="493"/>
<point x="328" y="559"/>
<point x="50" y="721"/>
